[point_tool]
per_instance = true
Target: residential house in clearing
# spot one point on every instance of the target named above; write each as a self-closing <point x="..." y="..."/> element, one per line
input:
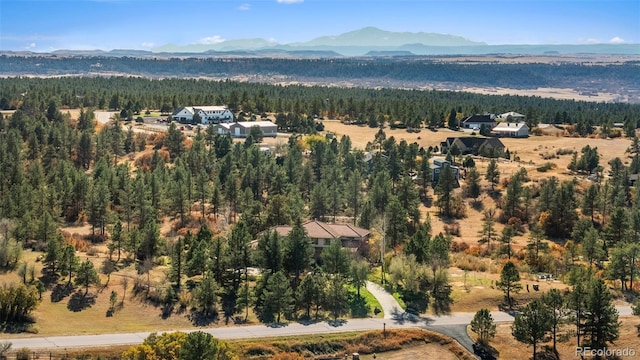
<point x="207" y="114"/>
<point x="242" y="129"/>
<point x="474" y="145"/>
<point x="438" y="165"/>
<point x="511" y="129"/>
<point x="476" y="122"/>
<point x="321" y="234"/>
<point x="512" y="116"/>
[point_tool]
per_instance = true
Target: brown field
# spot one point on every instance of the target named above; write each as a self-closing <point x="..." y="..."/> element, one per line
<point x="478" y="290"/>
<point x="422" y="351"/>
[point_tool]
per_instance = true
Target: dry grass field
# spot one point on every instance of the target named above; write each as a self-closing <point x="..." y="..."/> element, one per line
<point x="509" y="348"/>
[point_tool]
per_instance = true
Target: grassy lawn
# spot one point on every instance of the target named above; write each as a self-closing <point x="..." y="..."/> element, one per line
<point x="372" y="302"/>
<point x="398" y="297"/>
<point x="369" y="301"/>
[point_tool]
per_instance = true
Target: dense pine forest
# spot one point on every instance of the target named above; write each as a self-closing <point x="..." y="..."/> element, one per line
<point x="215" y="196"/>
<point x="596" y="77"/>
<point x="408" y="107"/>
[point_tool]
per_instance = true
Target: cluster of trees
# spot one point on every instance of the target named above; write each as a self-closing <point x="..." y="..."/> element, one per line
<point x="195" y="345"/>
<point x="420" y="274"/>
<point x="603" y="232"/>
<point x="413" y="109"/>
<point x="588" y="307"/>
<point x="17" y="302"/>
<point x="61" y="260"/>
<point x="62" y="170"/>
<point x="292" y="281"/>
<point x="10" y="250"/>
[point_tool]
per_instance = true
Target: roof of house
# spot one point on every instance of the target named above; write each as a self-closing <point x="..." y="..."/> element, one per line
<point x="178" y="110"/>
<point x="509" y="127"/>
<point x="320" y="230"/>
<point x="512" y="114"/>
<point x="493" y="143"/>
<point x="194" y="109"/>
<point x="480" y="118"/>
<point x="250" y="124"/>
<point x="210" y="108"/>
<point x="467" y="142"/>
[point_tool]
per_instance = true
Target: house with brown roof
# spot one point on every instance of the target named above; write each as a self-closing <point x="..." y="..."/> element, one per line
<point x="321" y="234"/>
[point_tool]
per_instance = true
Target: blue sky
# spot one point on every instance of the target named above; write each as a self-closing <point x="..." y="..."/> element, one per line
<point x="47" y="25"/>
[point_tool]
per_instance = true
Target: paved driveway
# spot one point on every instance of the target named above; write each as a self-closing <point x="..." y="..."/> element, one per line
<point x="389" y="304"/>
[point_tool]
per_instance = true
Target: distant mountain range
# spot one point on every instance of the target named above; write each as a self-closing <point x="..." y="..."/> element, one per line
<point x="368" y="41"/>
<point x="372" y="41"/>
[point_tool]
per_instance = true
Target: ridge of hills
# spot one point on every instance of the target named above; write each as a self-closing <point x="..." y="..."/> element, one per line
<point x="368" y="41"/>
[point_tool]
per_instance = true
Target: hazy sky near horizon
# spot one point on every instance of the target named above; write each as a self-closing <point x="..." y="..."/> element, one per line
<point x="46" y="25"/>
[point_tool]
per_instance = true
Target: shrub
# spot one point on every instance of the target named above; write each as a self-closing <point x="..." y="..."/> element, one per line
<point x="259" y="350"/>
<point x="288" y="356"/>
<point x="23" y="354"/>
<point x="548" y="155"/>
<point x="565" y="152"/>
<point x="459" y="246"/>
<point x="458" y="208"/>
<point x="184" y="298"/>
<point x="93" y="251"/>
<point x="452" y="229"/>
<point x="516" y="224"/>
<point x="546" y="167"/>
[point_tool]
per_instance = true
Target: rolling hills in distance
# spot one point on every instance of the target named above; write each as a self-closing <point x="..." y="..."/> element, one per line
<point x="368" y="41"/>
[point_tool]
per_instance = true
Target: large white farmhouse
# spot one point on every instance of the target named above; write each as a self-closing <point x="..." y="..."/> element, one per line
<point x="208" y="114"/>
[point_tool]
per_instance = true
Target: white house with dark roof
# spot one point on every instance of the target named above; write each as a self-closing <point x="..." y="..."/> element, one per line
<point x="477" y="121"/>
<point x="207" y="114"/>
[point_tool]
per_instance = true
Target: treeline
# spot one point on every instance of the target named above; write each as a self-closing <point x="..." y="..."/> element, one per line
<point x="529" y="75"/>
<point x="373" y="106"/>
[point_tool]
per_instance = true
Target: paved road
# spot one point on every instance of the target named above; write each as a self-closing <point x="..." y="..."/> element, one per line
<point x="252" y="331"/>
<point x="452" y="325"/>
